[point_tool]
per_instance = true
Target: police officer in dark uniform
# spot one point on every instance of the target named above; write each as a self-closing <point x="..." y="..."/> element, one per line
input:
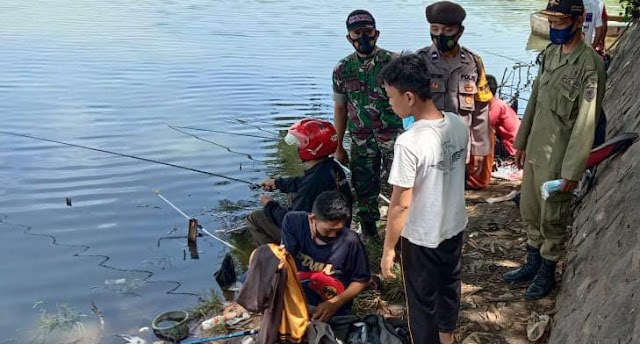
<point x="458" y="83"/>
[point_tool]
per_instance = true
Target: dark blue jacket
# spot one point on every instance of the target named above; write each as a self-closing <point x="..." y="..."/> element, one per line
<point x="325" y="176"/>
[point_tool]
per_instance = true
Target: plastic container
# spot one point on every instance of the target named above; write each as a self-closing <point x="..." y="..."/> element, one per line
<point x="171" y="326"/>
<point x="550" y="187"/>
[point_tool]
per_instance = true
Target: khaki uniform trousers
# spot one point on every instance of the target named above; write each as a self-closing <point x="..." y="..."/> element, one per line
<point x="546" y="220"/>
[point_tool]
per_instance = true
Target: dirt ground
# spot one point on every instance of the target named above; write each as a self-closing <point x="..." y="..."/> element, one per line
<point x="493" y="311"/>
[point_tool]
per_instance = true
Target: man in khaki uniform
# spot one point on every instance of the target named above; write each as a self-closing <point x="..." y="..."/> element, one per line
<point x="459" y="84"/>
<point x="554" y="141"/>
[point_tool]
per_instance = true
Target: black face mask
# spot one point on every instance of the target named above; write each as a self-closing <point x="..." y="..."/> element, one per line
<point x="325" y="239"/>
<point x="366" y="44"/>
<point x="445" y="43"/>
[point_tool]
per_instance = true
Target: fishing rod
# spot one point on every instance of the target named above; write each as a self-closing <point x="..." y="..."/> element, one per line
<point x="157" y="192"/>
<point x="251" y="184"/>
<point x="232" y="230"/>
<point x="221" y="337"/>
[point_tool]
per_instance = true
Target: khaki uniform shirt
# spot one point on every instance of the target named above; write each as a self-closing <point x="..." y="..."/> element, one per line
<point x="559" y="124"/>
<point x="459" y="85"/>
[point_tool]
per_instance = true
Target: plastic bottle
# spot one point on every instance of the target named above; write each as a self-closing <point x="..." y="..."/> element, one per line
<point x="213" y="322"/>
<point x="217" y="320"/>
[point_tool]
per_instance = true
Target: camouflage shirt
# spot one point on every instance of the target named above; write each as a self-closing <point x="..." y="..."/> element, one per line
<point x="355" y="82"/>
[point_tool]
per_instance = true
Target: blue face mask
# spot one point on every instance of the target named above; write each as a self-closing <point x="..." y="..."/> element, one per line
<point x="407" y="122"/>
<point x="562" y="36"/>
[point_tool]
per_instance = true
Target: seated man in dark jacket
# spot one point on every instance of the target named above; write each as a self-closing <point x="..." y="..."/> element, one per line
<point x="332" y="261"/>
<point x="316" y="140"/>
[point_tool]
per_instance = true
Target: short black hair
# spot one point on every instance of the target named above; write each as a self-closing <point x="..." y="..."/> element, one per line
<point x="332" y="206"/>
<point x="408" y="73"/>
<point x="493" y="83"/>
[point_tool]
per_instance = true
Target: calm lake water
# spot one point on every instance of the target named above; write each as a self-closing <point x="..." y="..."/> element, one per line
<point x="114" y="75"/>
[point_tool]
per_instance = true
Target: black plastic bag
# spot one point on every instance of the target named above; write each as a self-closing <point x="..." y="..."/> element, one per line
<point x="226" y="276"/>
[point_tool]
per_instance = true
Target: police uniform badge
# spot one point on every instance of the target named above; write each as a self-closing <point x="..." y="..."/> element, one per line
<point x="468" y="100"/>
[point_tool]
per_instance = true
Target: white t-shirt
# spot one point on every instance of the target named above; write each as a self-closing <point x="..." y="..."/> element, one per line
<point x="593" y="10"/>
<point x="430" y="159"/>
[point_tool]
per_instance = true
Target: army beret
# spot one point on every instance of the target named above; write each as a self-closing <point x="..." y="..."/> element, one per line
<point x="445" y="12"/>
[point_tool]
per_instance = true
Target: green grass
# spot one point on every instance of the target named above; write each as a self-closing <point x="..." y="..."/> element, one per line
<point x="210" y="304"/>
<point x="64" y="320"/>
<point x="391" y="290"/>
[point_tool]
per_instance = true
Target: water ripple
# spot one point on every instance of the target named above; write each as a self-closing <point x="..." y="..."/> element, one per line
<point x="113" y="75"/>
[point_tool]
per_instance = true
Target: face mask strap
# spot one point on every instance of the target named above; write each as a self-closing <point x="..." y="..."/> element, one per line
<point x="324" y="238"/>
<point x="370" y="41"/>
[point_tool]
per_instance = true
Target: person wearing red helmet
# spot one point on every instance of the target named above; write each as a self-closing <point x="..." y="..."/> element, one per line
<point x="317" y="140"/>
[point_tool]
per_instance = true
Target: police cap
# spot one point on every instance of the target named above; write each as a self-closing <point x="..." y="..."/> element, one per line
<point x="445" y="12"/>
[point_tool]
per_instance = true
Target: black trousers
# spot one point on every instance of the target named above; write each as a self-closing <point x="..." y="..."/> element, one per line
<point x="432" y="286"/>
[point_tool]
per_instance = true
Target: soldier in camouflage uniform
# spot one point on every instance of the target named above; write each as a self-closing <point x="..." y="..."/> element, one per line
<point x="362" y="107"/>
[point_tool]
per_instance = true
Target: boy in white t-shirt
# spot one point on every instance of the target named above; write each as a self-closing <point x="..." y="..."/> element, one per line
<point x="427" y="211"/>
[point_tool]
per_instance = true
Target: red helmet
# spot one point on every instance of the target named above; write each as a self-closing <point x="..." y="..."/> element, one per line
<point x="314" y="137"/>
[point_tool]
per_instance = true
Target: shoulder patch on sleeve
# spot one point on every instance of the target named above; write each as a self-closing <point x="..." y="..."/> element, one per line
<point x="591" y="90"/>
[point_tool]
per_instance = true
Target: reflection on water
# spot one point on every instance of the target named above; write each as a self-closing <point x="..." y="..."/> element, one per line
<point x="210" y="85"/>
<point x="537" y="43"/>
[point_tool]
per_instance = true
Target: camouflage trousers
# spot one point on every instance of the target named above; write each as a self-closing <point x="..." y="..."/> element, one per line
<point x="546" y="220"/>
<point x="370" y="164"/>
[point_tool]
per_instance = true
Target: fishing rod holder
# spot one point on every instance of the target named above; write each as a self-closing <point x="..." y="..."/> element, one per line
<point x="192" y="233"/>
<point x="192" y="236"/>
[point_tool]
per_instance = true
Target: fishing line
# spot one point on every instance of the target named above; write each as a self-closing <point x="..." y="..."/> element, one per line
<point x="222" y="132"/>
<point x="157" y="192"/>
<point x="214" y="143"/>
<point x="81" y="252"/>
<point x="503" y="56"/>
<point x="502" y="83"/>
<point x="251" y="184"/>
<point x="238" y="121"/>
